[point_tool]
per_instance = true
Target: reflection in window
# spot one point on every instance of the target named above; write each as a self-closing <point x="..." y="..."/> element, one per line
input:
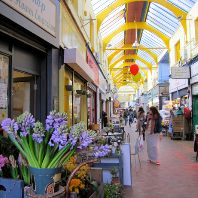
<point x="79" y="103"/>
<point x="68" y="96"/>
<point x="4" y="63"/>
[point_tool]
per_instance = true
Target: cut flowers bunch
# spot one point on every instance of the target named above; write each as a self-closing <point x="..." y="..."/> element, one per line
<point x="49" y="145"/>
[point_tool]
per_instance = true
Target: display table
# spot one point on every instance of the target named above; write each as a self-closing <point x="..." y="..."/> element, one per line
<point x="107" y="163"/>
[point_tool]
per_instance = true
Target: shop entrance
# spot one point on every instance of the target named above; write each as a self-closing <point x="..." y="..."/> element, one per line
<point x="195" y="111"/>
<point x="23" y="93"/>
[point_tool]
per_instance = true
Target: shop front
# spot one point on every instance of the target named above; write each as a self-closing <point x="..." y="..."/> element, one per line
<point x="102" y="97"/>
<point x="194" y="88"/>
<point x="28" y="58"/>
<point x="178" y="89"/>
<point x="93" y="89"/>
<point x="75" y="92"/>
<point x="180" y="98"/>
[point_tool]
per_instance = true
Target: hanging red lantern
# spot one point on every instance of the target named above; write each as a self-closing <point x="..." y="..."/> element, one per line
<point x="134" y="69"/>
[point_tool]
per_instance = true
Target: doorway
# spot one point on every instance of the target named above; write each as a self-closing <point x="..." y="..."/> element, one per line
<point x="195" y="112"/>
<point x="23" y="93"/>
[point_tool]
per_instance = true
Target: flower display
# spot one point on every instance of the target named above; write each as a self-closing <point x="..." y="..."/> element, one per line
<point x="3" y="161"/>
<point x="76" y="185"/>
<point x="101" y="151"/>
<point x="48" y="146"/>
<point x="55" y="120"/>
<point x="10" y="126"/>
<point x="25" y="123"/>
<point x="39" y="132"/>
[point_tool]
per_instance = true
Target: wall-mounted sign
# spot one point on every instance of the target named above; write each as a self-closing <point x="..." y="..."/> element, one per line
<point x="94" y="67"/>
<point x="180" y="72"/>
<point x="164" y="90"/>
<point x="41" y="12"/>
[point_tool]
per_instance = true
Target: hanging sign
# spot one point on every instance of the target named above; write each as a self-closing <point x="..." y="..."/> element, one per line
<point x="180" y="72"/>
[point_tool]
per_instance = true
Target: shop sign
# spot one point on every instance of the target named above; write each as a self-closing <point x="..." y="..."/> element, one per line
<point x="163" y="90"/>
<point x="94" y="67"/>
<point x="41" y="12"/>
<point x="180" y="72"/>
<point x="195" y="89"/>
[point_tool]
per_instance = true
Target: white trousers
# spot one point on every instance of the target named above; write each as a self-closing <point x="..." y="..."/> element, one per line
<point x="152" y="146"/>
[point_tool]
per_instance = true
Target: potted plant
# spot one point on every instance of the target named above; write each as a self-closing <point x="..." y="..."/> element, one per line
<point x="115" y="178"/>
<point x="46" y="147"/>
<point x="113" y="191"/>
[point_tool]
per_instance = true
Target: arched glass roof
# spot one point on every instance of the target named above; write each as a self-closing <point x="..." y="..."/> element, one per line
<point x="157" y="16"/>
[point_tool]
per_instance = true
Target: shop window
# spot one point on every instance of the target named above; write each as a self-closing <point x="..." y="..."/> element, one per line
<point x="68" y="96"/>
<point x="177" y="52"/>
<point x="91" y="107"/>
<point x="23" y="93"/>
<point x="4" y="65"/>
<point x="79" y="102"/>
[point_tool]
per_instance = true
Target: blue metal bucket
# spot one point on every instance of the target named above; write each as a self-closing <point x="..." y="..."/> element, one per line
<point x="42" y="178"/>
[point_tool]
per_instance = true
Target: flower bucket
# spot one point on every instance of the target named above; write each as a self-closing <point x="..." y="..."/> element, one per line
<point x="43" y="177"/>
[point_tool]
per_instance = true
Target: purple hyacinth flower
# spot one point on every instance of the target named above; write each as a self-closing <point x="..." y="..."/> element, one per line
<point x="55" y="120"/>
<point x="26" y="122"/>
<point x="9" y="126"/>
<point x="85" y="140"/>
<point x="101" y="151"/>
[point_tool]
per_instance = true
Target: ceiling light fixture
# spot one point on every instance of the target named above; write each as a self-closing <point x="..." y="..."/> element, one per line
<point x="136" y="43"/>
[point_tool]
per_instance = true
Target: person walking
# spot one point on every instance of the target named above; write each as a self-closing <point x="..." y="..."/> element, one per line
<point x="126" y="116"/>
<point x="131" y="117"/>
<point x="140" y="120"/>
<point x="153" y="135"/>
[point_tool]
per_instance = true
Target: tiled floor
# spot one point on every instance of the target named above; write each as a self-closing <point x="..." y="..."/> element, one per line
<point x="176" y="177"/>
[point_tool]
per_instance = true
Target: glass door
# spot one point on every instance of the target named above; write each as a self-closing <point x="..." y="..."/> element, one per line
<point x="23" y="93"/>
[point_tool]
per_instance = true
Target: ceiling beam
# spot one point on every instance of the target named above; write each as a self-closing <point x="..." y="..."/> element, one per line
<point x="134" y="25"/>
<point x="135" y="57"/>
<point x="153" y="55"/>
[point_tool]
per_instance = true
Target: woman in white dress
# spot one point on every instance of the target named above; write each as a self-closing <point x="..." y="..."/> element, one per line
<point x="153" y="135"/>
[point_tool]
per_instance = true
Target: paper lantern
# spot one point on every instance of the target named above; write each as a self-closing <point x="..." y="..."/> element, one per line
<point x="137" y="77"/>
<point x="134" y="69"/>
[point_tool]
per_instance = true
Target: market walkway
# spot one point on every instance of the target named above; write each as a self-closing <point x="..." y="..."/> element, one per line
<point x="176" y="177"/>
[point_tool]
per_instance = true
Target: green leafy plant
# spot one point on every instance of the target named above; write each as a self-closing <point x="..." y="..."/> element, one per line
<point x="113" y="191"/>
<point x="114" y="172"/>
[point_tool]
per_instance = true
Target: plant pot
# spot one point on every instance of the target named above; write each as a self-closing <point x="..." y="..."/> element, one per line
<point x="115" y="180"/>
<point x="43" y="177"/>
<point x="73" y="195"/>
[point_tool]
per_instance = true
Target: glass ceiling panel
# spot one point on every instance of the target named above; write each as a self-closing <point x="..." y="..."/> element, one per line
<point x="185" y="5"/>
<point x="141" y="64"/>
<point x="145" y="56"/>
<point x="117" y="45"/>
<point x="115" y="15"/>
<point x="119" y="55"/>
<point x="116" y="40"/>
<point x="118" y="64"/>
<point x="99" y="5"/>
<point x="162" y="19"/>
<point x="113" y="27"/>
